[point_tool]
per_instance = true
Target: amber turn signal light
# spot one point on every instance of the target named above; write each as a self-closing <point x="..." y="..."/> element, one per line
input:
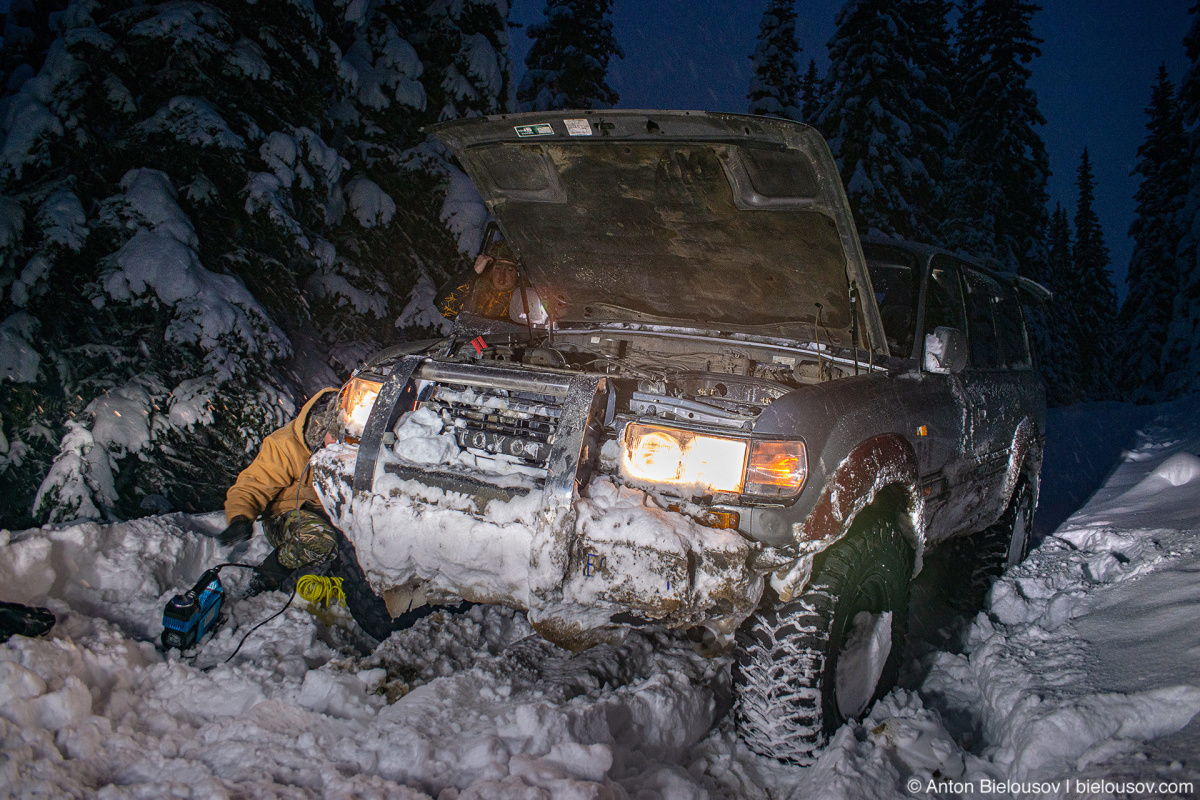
<point x="777" y="469"/>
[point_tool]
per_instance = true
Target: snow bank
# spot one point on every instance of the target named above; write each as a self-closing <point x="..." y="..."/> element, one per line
<point x="1086" y="651"/>
<point x="1044" y="711"/>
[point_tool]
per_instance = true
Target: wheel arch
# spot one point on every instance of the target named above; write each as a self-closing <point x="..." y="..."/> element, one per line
<point x="1024" y="461"/>
<point x="878" y="476"/>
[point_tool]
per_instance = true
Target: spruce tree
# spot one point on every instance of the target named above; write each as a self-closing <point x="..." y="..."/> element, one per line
<point x="567" y="64"/>
<point x="1153" y="276"/>
<point x="1052" y="327"/>
<point x="775" y="87"/>
<point x="1181" y="359"/>
<point x="810" y="87"/>
<point x="206" y="213"/>
<point x="996" y="204"/>
<point x="883" y="126"/>
<point x="1095" y="304"/>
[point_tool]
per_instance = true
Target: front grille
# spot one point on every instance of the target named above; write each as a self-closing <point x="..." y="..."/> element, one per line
<point x="499" y="421"/>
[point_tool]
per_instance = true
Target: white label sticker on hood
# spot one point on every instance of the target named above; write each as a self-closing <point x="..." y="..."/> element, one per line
<point x="540" y="129"/>
<point x="578" y="127"/>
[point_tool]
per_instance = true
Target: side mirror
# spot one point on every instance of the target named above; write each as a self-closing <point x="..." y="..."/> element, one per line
<point x="945" y="351"/>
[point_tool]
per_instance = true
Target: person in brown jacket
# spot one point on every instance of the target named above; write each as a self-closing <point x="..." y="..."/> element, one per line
<point x="278" y="486"/>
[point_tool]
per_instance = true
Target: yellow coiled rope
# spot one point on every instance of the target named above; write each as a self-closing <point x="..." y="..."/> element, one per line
<point x="321" y="590"/>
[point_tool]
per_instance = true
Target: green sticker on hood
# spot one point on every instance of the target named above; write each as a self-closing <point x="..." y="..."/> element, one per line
<point x="539" y="129"/>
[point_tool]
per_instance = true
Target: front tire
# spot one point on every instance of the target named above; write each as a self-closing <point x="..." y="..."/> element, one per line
<point x="366" y="607"/>
<point x="807" y="666"/>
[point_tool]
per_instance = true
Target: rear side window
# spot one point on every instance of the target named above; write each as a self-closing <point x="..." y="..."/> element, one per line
<point x="983" y="295"/>
<point x="943" y="298"/>
<point x="894" y="281"/>
<point x="1011" y="326"/>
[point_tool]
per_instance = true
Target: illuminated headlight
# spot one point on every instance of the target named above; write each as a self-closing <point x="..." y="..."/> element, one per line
<point x="358" y="398"/>
<point x="666" y="455"/>
<point x="775" y="469"/>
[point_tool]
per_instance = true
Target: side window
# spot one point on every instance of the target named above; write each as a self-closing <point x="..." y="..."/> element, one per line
<point x="943" y="297"/>
<point x="983" y="295"/>
<point x="894" y="281"/>
<point x="1011" y="326"/>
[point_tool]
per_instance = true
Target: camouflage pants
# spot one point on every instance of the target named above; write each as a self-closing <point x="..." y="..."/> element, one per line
<point x="301" y="537"/>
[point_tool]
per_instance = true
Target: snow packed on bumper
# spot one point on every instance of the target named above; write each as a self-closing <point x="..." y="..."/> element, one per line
<point x="630" y="559"/>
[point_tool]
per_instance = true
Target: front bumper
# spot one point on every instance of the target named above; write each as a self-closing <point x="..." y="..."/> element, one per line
<point x="585" y="558"/>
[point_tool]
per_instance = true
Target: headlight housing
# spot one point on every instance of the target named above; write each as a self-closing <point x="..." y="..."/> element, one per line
<point x="357" y="400"/>
<point x="666" y="455"/>
<point x="669" y="456"/>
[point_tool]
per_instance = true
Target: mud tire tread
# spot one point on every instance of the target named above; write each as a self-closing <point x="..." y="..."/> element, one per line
<point x="782" y="695"/>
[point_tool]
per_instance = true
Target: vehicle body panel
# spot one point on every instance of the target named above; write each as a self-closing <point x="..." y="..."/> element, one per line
<point x="490" y="467"/>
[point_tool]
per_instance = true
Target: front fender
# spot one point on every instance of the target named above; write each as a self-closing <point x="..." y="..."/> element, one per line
<point x="879" y="463"/>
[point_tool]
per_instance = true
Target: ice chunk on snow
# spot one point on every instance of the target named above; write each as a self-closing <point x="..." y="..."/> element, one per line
<point x="861" y="662"/>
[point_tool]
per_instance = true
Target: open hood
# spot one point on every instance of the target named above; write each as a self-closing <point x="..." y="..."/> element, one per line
<point x="721" y="221"/>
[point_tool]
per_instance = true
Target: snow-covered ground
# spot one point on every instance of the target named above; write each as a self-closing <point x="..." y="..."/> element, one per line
<point x="1083" y="668"/>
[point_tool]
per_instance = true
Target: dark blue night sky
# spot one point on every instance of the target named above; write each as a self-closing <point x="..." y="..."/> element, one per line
<point x="1093" y="79"/>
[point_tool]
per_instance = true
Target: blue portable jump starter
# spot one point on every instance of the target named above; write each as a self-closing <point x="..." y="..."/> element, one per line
<point x="190" y="615"/>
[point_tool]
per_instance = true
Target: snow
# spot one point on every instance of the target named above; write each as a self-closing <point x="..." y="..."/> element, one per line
<point x="62" y="220"/>
<point x="12" y="222"/>
<point x="369" y="204"/>
<point x="249" y="59"/>
<point x="196" y="121"/>
<point x="464" y="212"/>
<point x="18" y="360"/>
<point x="1083" y="668"/>
<point x="26" y="125"/>
<point x="421" y="310"/>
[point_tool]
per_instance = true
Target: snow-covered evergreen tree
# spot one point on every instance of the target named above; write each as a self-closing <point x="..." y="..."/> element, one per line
<point x="810" y="90"/>
<point x="205" y="213"/>
<point x="996" y="204"/>
<point x="1095" y="300"/>
<point x="775" y="87"/>
<point x="884" y="115"/>
<point x="567" y="65"/>
<point x="1181" y="359"/>
<point x="1153" y="277"/>
<point x="1051" y="327"/>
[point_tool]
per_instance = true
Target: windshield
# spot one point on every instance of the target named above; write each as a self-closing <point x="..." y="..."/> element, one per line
<point x="654" y="232"/>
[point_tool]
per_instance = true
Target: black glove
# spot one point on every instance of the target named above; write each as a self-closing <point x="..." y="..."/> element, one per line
<point x="16" y="619"/>
<point x="238" y="531"/>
